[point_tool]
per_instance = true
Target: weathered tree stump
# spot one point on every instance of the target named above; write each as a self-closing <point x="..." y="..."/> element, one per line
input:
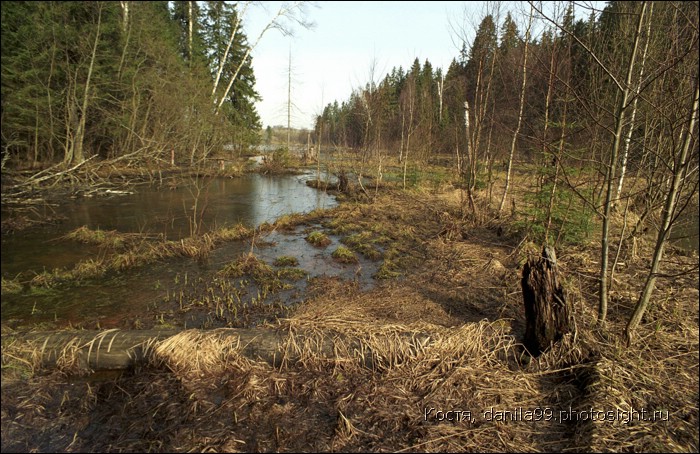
<point x="548" y="316"/>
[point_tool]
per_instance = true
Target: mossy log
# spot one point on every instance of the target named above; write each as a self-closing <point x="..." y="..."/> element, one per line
<point x="116" y="349"/>
<point x="548" y="316"/>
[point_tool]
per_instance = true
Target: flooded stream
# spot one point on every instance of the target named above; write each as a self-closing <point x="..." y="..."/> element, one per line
<point x="121" y="298"/>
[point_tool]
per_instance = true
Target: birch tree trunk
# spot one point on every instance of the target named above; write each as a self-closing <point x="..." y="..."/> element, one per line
<point x="471" y="156"/>
<point x="630" y="130"/>
<point x="520" y="112"/>
<point x="612" y="170"/>
<point x="190" y="21"/>
<point x="286" y="10"/>
<point x="125" y="15"/>
<point x="78" y="153"/>
<point x="289" y="99"/>
<point x="220" y="69"/>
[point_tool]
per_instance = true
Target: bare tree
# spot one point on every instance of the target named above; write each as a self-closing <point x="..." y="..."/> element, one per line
<point x="293" y="12"/>
<point x="630" y="129"/>
<point x="75" y="154"/>
<point x="520" y="112"/>
<point x="483" y="58"/>
<point x="612" y="169"/>
<point x="667" y="157"/>
<point x="125" y="15"/>
<point x="679" y="171"/>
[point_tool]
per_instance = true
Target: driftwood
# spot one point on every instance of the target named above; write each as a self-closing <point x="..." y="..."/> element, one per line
<point x="116" y="349"/>
<point x="548" y="316"/>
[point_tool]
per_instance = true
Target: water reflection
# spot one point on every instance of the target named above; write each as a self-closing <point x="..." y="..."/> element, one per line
<point x="252" y="200"/>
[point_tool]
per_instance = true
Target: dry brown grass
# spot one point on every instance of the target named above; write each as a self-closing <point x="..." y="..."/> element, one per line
<point x="444" y="337"/>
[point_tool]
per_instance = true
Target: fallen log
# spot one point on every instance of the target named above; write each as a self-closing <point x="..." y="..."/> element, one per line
<point x="116" y="349"/>
<point x="86" y="350"/>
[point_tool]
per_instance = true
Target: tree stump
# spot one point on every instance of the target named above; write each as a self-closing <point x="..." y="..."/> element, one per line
<point x="342" y="182"/>
<point x="548" y="316"/>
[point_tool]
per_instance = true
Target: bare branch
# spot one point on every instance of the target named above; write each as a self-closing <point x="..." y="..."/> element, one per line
<point x="294" y="12"/>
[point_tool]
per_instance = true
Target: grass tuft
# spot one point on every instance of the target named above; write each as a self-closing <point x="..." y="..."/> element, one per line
<point x="344" y="255"/>
<point x="318" y="239"/>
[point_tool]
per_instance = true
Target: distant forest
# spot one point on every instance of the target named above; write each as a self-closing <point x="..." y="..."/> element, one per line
<point x="538" y="82"/>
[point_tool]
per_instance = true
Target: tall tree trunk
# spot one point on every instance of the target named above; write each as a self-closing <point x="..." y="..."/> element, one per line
<point x="125" y="15"/>
<point x="441" y="87"/>
<point x="611" y="171"/>
<point x="289" y="99"/>
<point x="190" y="25"/>
<point x="471" y="156"/>
<point x="630" y="130"/>
<point x="318" y="154"/>
<point x="286" y="10"/>
<point x="223" y="59"/>
<point x="78" y="153"/>
<point x="520" y="112"/>
<point x="679" y="168"/>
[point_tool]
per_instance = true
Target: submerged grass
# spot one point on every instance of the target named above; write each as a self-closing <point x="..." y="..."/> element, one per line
<point x="248" y="265"/>
<point x="363" y="243"/>
<point x="267" y="279"/>
<point x="10" y="286"/>
<point x="134" y="250"/>
<point x="106" y="238"/>
<point x="293" y="274"/>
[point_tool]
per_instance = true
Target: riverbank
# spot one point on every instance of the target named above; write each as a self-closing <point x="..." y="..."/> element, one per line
<point x="440" y="275"/>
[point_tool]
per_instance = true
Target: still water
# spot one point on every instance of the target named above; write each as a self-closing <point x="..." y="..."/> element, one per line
<point x="251" y="200"/>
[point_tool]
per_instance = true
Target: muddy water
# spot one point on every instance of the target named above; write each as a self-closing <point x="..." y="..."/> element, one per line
<point x="252" y="200"/>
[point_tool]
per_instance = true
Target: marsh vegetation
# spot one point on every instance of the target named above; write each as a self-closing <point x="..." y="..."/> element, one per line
<point x="387" y="272"/>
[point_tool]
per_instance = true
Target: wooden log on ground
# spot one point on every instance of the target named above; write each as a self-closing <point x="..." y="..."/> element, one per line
<point x="548" y="316"/>
<point x="116" y="349"/>
<point x="93" y="350"/>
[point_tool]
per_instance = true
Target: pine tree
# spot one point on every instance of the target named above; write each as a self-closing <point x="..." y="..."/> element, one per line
<point x="239" y="106"/>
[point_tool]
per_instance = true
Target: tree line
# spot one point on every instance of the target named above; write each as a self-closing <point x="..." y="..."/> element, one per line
<point x="124" y="80"/>
<point x="599" y="106"/>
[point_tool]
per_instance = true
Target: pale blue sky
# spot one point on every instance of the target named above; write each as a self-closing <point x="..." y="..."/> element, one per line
<point x="336" y="56"/>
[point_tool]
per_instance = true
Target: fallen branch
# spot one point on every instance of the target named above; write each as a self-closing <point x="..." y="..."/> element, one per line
<point x="34" y="180"/>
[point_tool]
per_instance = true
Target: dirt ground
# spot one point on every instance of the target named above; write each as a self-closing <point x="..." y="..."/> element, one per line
<point x="469" y="387"/>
